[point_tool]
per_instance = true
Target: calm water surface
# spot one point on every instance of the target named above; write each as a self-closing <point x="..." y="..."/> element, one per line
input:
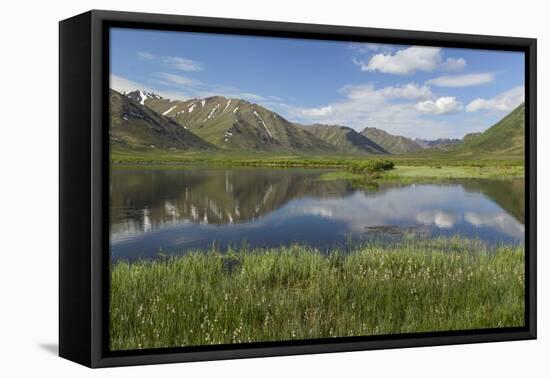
<point x="176" y="209"/>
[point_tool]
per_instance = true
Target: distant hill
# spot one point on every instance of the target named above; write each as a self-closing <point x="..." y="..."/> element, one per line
<point x="235" y="124"/>
<point x="394" y="144"/>
<point x="506" y="137"/>
<point x="440" y="144"/>
<point x="138" y="127"/>
<point x="345" y="138"/>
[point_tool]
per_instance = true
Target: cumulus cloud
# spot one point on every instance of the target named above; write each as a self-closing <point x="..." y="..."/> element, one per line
<point x="407" y="61"/>
<point x="503" y="102"/>
<point x="442" y="105"/>
<point x="404" y="62"/>
<point x="391" y="108"/>
<point x="459" y="81"/>
<point x="454" y="64"/>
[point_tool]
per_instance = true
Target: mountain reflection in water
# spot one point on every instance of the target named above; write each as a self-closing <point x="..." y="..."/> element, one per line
<point x="181" y="208"/>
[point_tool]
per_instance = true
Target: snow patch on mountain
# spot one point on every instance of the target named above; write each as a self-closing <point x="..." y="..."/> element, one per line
<point x="212" y="112"/>
<point x="227" y="105"/>
<point x="142" y="97"/>
<point x="169" y="110"/>
<point x="263" y="123"/>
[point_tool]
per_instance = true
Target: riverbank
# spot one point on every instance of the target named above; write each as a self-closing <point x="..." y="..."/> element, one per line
<point x="298" y="293"/>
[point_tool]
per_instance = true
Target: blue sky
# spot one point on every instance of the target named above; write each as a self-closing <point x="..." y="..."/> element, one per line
<point x="425" y="92"/>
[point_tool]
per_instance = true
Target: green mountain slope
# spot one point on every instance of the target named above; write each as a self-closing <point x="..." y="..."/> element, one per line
<point x="236" y="124"/>
<point x="470" y="136"/>
<point x="394" y="144"/>
<point x="135" y="126"/>
<point x="345" y="138"/>
<point x="506" y="137"/>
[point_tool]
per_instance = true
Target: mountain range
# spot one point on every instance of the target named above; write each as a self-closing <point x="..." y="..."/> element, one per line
<point x="444" y="144"/>
<point x="135" y="126"/>
<point x="236" y="124"/>
<point x="345" y="138"/>
<point x="394" y="144"/>
<point x="397" y="144"/>
<point x="144" y="120"/>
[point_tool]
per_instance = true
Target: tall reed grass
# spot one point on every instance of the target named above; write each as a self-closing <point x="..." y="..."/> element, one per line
<point x="249" y="295"/>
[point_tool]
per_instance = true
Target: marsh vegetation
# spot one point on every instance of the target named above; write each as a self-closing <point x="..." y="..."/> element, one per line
<point x="296" y="292"/>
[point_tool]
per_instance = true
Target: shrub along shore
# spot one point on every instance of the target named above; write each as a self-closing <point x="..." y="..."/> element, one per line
<point x="297" y="292"/>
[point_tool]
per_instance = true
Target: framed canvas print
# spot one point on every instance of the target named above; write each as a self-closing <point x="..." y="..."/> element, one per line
<point x="234" y="188"/>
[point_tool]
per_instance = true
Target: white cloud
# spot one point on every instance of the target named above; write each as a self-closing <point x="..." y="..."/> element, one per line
<point x="247" y="96"/>
<point x="442" y="105"/>
<point x="176" y="62"/>
<point x="410" y="91"/>
<point x="182" y="64"/>
<point x="454" y="64"/>
<point x="369" y="48"/>
<point x="122" y="84"/>
<point x="438" y="218"/>
<point x="404" y="62"/>
<point x="146" y="55"/>
<point x="172" y="79"/>
<point x="459" y="81"/>
<point x="318" y="112"/>
<point x="391" y="108"/>
<point x="502" y="222"/>
<point x="503" y="102"/>
<point x="183" y="88"/>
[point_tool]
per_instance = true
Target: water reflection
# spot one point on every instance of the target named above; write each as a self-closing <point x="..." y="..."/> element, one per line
<point x="177" y="209"/>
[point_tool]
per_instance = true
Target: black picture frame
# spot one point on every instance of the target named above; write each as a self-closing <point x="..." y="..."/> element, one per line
<point x="84" y="193"/>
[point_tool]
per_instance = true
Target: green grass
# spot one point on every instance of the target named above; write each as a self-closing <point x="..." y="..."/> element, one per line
<point x="414" y="173"/>
<point x="406" y="167"/>
<point x="299" y="293"/>
<point x="455" y="172"/>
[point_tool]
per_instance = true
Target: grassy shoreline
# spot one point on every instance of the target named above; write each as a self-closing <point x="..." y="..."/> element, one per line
<point x="415" y="174"/>
<point x="406" y="167"/>
<point x="297" y="292"/>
